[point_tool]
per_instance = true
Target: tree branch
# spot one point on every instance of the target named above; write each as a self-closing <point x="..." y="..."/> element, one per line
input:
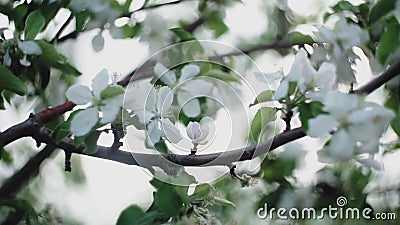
<point x="380" y="80"/>
<point x="13" y="185"/>
<point x="43" y="135"/>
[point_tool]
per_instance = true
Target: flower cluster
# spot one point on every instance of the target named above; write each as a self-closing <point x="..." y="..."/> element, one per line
<point x="103" y="98"/>
<point x="341" y="40"/>
<point x="306" y="77"/>
<point x="356" y="127"/>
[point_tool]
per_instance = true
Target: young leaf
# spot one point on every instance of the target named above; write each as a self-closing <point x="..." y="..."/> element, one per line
<point x="309" y="111"/>
<point x="224" y="202"/>
<point x="183" y="34"/>
<point x="91" y="142"/>
<point x="297" y="37"/>
<point x="61" y="131"/>
<point x="35" y="22"/>
<point x="221" y="75"/>
<point x="263" y="116"/>
<point x="168" y="200"/>
<point x="216" y="23"/>
<point x="11" y="82"/>
<point x="201" y="192"/>
<point x="112" y="91"/>
<point x="264" y="96"/>
<point x="51" y="58"/>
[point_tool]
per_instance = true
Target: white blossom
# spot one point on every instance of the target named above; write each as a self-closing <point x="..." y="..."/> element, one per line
<point x="342" y="38"/>
<point x="82" y="95"/>
<point x="306" y="77"/>
<point x="198" y="132"/>
<point x="188" y="89"/>
<point x="356" y="126"/>
<point x="150" y="105"/>
<point x="155" y="32"/>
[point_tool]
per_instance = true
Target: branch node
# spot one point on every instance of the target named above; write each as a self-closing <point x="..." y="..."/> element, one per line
<point x="288" y="118"/>
<point x="68" y="167"/>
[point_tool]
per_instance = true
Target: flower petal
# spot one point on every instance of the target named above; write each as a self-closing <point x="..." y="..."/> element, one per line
<point x="341" y="146"/>
<point x="170" y="132"/>
<point x="167" y="76"/>
<point x="79" y="94"/>
<point x="268" y="77"/>
<point x="29" y="48"/>
<point x="84" y="121"/>
<point x="164" y="99"/>
<point x="188" y="72"/>
<point x="326" y="76"/>
<point x="144" y="116"/>
<point x="111" y="108"/>
<point x="302" y="71"/>
<point x="100" y="82"/>
<point x="153" y="133"/>
<point x="339" y="104"/>
<point x="282" y="90"/>
<point x="25" y="62"/>
<point x="193" y="130"/>
<point x="191" y="107"/>
<point x="370" y="162"/>
<point x="321" y="125"/>
<point x="140" y="97"/>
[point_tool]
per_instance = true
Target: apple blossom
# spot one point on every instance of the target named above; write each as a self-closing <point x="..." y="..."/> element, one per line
<point x="150" y="105"/>
<point x="356" y="125"/>
<point x="109" y="106"/>
<point x="188" y="90"/>
<point x="306" y="77"/>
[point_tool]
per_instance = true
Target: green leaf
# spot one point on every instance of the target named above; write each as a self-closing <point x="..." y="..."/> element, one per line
<point x="264" y="96"/>
<point x="6" y="157"/>
<point x="61" y="131"/>
<point x="224" y="202"/>
<point x="277" y="169"/>
<point x="393" y="103"/>
<point x="309" y="111"/>
<point x="263" y="116"/>
<point x="168" y="200"/>
<point x="389" y="42"/>
<point x="161" y="146"/>
<point x="91" y="143"/>
<point x="11" y="82"/>
<point x="35" y="22"/>
<point x="201" y="192"/>
<point x="299" y="38"/>
<point x="183" y="34"/>
<point x="131" y="216"/>
<point x="131" y="32"/>
<point x="221" y="75"/>
<point x="216" y="23"/>
<point x="80" y="20"/>
<point x="380" y="9"/>
<point x="51" y="58"/>
<point x="112" y="91"/>
<point x="343" y="6"/>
